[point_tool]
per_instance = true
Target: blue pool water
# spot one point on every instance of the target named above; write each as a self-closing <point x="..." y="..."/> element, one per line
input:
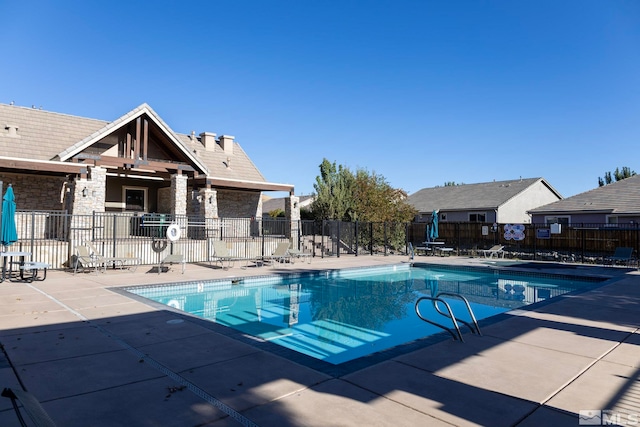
<point x="343" y="315"/>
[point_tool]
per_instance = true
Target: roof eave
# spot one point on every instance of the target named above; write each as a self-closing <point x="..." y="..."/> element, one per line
<point x="251" y="185"/>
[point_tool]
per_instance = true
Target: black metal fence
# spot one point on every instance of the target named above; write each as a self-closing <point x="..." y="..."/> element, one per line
<point x="51" y="237"/>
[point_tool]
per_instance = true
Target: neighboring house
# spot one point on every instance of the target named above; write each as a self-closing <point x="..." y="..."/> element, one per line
<point x="616" y="203"/>
<point x="278" y="203"/>
<point x="133" y="164"/>
<point x="505" y="202"/>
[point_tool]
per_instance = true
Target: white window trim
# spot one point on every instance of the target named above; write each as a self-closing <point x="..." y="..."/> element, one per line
<point x="550" y="217"/>
<point x="145" y="190"/>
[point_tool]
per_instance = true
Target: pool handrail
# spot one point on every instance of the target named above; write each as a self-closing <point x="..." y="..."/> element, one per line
<point x="451" y="316"/>
<point x="475" y="328"/>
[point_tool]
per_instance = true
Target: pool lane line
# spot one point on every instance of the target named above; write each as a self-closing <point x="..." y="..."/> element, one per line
<point x="246" y="422"/>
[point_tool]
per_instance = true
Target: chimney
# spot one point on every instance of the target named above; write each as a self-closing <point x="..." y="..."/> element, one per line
<point x="12" y="131"/>
<point x="208" y="139"/>
<point x="226" y="142"/>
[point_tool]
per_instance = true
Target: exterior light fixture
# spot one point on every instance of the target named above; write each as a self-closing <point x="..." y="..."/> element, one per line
<point x="85" y="192"/>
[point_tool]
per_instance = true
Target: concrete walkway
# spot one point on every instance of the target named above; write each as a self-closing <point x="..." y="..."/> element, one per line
<point x="95" y="357"/>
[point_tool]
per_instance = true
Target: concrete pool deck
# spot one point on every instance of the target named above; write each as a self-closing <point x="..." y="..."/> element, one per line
<point x="95" y="357"/>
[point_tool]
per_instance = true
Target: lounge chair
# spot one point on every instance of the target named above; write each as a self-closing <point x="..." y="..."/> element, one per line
<point x="496" y="250"/>
<point x="120" y="262"/>
<point x="621" y="254"/>
<point x="221" y="255"/>
<point x="280" y="254"/>
<point x="85" y="259"/>
<point x="297" y="254"/>
<point x="172" y="259"/>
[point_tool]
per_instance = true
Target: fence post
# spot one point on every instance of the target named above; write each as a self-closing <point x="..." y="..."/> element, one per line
<point x="33" y="230"/>
<point x="535" y="243"/>
<point x="371" y="238"/>
<point x="386" y="239"/>
<point x="406" y="237"/>
<point x="262" y="237"/>
<point x="114" y="236"/>
<point x="356" y="229"/>
<point x="337" y="243"/>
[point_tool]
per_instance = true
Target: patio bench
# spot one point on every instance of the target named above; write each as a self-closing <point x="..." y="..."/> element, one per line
<point x="424" y="249"/>
<point x="33" y="268"/>
<point x="444" y="251"/>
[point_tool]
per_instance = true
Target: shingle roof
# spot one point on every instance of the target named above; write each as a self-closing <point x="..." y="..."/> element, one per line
<point x="486" y="195"/>
<point x="43" y="135"/>
<point x="620" y="197"/>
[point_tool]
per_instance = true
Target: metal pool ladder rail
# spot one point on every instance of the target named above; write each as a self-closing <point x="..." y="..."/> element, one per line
<point x="454" y="320"/>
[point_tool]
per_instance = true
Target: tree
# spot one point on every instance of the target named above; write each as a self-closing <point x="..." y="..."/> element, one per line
<point x="276" y="213"/>
<point x="618" y="175"/>
<point x="333" y="192"/>
<point x="362" y="196"/>
<point x="376" y="201"/>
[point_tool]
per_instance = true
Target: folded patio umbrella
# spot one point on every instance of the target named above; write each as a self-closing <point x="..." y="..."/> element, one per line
<point x="433" y="233"/>
<point x="8" y="234"/>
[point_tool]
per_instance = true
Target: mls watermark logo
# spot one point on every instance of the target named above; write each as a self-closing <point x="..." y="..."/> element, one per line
<point x="596" y="417"/>
<point x="590" y="418"/>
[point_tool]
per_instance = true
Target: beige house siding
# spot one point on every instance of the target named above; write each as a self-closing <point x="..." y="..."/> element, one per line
<point x="514" y="211"/>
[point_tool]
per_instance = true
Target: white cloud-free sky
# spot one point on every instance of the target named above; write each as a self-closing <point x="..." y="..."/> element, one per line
<point x="422" y="92"/>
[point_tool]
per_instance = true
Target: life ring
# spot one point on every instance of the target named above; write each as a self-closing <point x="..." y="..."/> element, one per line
<point x="159" y="245"/>
<point x="173" y="232"/>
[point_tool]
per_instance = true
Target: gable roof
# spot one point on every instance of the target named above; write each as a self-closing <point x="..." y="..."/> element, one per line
<point x="46" y="140"/>
<point x="620" y="197"/>
<point x="127" y="118"/>
<point x="465" y="197"/>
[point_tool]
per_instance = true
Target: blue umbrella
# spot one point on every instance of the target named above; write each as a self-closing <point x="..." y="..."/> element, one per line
<point x="9" y="234"/>
<point x="433" y="230"/>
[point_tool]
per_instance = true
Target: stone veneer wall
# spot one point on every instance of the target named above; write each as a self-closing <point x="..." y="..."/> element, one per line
<point x="239" y="204"/>
<point x="96" y="189"/>
<point x="35" y="192"/>
<point x="292" y="213"/>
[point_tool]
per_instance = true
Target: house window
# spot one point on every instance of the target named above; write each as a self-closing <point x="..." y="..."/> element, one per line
<point x="564" y="220"/>
<point x="135" y="199"/>
<point x="477" y="217"/>
<point x="612" y="220"/>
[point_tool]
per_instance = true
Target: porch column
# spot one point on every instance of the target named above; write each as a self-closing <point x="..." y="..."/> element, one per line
<point x="89" y="194"/>
<point x="179" y="194"/>
<point x="208" y="203"/>
<point x="292" y="213"/>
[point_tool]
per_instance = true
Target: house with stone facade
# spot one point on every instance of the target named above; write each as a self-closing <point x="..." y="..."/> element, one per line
<point x="135" y="163"/>
<point x="77" y="179"/>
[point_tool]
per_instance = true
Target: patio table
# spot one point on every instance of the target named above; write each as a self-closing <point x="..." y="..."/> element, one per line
<point x="8" y="257"/>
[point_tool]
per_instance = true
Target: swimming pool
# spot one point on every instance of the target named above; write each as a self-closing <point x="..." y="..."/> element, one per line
<point x="339" y="316"/>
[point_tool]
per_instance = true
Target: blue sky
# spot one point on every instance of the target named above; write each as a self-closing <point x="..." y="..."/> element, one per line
<point x="421" y="92"/>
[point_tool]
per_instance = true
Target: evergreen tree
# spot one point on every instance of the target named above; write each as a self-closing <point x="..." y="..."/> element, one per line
<point x="618" y="175"/>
